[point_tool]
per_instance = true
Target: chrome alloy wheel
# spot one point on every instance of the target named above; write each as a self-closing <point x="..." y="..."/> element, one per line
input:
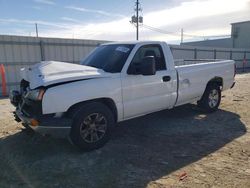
<point x="213" y="98"/>
<point x="93" y="127"/>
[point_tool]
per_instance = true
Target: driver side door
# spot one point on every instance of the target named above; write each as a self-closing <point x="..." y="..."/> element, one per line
<point x="145" y="94"/>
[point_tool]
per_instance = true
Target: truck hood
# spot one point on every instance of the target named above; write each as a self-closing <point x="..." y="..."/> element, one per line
<point x="53" y="72"/>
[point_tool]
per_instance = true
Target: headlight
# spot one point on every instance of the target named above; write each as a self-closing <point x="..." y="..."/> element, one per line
<point x="36" y="94"/>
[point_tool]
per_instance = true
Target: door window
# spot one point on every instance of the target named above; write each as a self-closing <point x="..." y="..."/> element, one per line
<point x="151" y="50"/>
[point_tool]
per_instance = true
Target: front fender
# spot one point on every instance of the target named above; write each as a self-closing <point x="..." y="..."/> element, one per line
<point x="60" y="98"/>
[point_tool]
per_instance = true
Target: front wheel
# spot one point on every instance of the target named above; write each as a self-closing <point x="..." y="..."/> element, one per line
<point x="211" y="98"/>
<point x="92" y="126"/>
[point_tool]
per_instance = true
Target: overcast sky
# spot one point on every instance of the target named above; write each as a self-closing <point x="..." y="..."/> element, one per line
<point x="109" y="19"/>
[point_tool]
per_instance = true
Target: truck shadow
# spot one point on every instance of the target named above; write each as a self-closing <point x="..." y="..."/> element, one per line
<point x="141" y="150"/>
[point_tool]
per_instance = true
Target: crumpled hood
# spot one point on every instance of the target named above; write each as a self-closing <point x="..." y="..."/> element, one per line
<point x="52" y="72"/>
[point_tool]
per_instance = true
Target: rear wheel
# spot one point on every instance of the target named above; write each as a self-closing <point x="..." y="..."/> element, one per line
<point x="211" y="98"/>
<point x="92" y="126"/>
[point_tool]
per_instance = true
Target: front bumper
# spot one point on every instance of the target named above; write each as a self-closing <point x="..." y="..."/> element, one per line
<point x="44" y="124"/>
<point x="56" y="127"/>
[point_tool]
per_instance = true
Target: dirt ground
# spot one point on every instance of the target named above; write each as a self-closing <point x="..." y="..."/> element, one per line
<point x="156" y="150"/>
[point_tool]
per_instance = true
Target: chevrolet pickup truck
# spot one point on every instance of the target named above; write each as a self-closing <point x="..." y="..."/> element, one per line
<point x="116" y="82"/>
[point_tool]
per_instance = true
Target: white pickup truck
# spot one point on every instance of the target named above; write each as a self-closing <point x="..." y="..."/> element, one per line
<point x="116" y="82"/>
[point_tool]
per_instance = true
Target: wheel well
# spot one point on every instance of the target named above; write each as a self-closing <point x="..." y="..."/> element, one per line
<point x="106" y="101"/>
<point x="217" y="80"/>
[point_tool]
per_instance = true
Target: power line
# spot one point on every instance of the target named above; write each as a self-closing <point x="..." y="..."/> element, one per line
<point x="182" y="33"/>
<point x="206" y="36"/>
<point x="160" y="30"/>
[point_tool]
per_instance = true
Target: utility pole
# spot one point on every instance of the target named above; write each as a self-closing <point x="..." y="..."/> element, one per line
<point x="36" y="30"/>
<point x="181" y="35"/>
<point x="137" y="19"/>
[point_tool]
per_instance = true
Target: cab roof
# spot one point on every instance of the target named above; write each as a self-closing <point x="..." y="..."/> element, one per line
<point x="134" y="42"/>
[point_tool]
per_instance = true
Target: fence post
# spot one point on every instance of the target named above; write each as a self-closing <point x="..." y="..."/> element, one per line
<point x="244" y="61"/>
<point x="231" y="54"/>
<point x="195" y="53"/>
<point x="2" y="72"/>
<point x="42" y="50"/>
<point x="215" y="54"/>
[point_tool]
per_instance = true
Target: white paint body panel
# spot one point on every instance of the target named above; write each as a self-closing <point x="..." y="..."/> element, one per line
<point x="53" y="72"/>
<point x="60" y="98"/>
<point x="133" y="95"/>
<point x="146" y="94"/>
<point x="194" y="78"/>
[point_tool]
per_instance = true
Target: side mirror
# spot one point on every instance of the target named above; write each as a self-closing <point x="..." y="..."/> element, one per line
<point x="146" y="67"/>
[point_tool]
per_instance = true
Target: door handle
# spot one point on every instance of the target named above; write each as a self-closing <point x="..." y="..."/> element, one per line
<point x="166" y="78"/>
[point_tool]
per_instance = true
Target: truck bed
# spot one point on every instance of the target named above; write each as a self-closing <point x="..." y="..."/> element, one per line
<point x="180" y="62"/>
<point x="191" y="87"/>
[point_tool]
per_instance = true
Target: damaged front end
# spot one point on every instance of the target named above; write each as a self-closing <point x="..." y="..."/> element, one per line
<point x="28" y="105"/>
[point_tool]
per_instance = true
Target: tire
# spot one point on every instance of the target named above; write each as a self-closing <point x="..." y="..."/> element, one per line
<point x="92" y="126"/>
<point x="211" y="98"/>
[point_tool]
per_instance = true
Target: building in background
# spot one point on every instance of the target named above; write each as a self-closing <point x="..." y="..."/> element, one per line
<point x="240" y="38"/>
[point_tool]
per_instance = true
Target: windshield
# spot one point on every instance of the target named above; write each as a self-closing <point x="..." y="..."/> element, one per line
<point x="110" y="58"/>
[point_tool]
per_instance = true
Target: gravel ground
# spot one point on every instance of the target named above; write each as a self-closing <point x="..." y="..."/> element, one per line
<point x="182" y="147"/>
